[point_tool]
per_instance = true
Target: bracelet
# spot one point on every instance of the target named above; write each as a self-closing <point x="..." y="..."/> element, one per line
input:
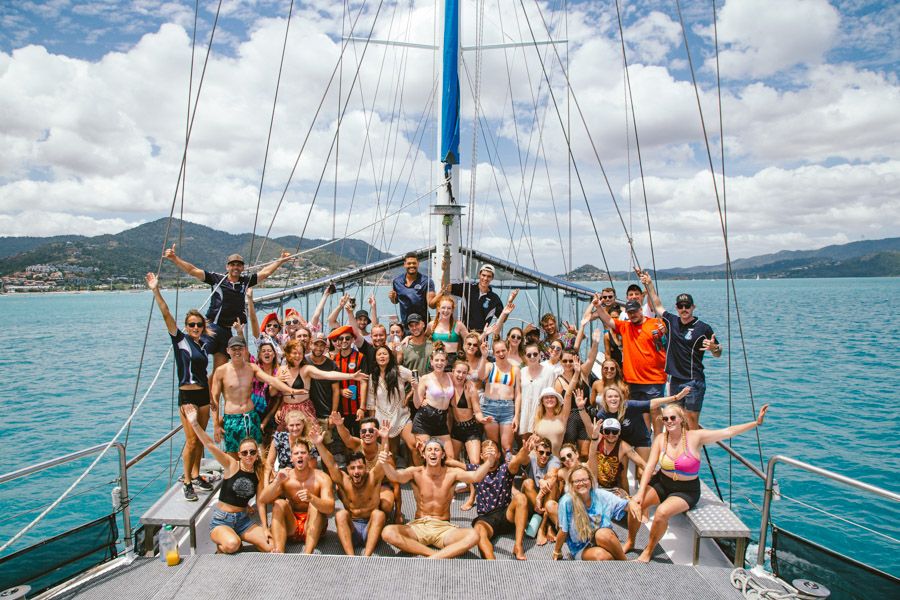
<point x="557" y="554"/>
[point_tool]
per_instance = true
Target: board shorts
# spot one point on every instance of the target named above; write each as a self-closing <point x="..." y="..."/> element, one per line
<point x="430" y="421"/>
<point x="497" y="520"/>
<point x="430" y="531"/>
<point x="503" y="411"/>
<point x="693" y="401"/>
<point x="466" y="431"/>
<point x="196" y="397"/>
<point x="218" y="341"/>
<point x="688" y="490"/>
<point x="238" y="521"/>
<point x="240" y="426"/>
<point x="299" y="533"/>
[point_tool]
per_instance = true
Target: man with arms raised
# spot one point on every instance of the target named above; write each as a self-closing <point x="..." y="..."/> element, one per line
<point x="433" y="486"/>
<point x="303" y="500"/>
<point x="228" y="301"/>
<point x="238" y="419"/>
<point x="361" y="520"/>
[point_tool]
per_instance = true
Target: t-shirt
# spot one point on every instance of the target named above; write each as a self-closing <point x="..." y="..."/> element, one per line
<point x="536" y="472"/>
<point x="604" y="507"/>
<point x="320" y="390"/>
<point x="191" y="359"/>
<point x="417" y="357"/>
<point x="684" y="354"/>
<point x="634" y="430"/>
<point x="643" y="351"/>
<point x="413" y="298"/>
<point x="228" y="301"/>
<point x="480" y="308"/>
<point x="495" y="490"/>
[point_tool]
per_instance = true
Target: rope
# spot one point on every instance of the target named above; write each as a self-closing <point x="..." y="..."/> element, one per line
<point x="750" y="587"/>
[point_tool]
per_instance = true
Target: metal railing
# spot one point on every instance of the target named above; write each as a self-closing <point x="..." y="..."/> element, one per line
<point x="770" y="487"/>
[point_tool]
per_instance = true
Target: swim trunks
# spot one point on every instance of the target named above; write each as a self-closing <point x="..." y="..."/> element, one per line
<point x="360" y="530"/>
<point x="430" y="531"/>
<point x="497" y="520"/>
<point x="299" y="534"/>
<point x="240" y="426"/>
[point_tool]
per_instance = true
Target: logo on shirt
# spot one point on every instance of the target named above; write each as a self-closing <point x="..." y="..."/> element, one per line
<point x="626" y="422"/>
<point x="689" y="334"/>
<point x="351" y="365"/>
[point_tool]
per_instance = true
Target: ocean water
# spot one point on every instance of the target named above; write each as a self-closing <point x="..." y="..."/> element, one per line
<point x="822" y="352"/>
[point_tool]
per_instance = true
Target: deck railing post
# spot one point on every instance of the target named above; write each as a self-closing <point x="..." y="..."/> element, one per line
<point x="764" y="519"/>
<point x="126" y="504"/>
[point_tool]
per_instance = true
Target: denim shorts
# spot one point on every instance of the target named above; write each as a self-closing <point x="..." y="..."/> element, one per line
<point x="503" y="411"/>
<point x="238" y="521"/>
<point x="693" y="401"/>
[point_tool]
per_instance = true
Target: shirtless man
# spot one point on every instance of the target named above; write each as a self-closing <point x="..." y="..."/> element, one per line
<point x="361" y="520"/>
<point x="367" y="444"/>
<point x="238" y="419"/>
<point x="303" y="500"/>
<point x="433" y="486"/>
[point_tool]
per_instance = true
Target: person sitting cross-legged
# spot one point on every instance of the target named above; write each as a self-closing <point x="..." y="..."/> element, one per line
<point x="585" y="519"/>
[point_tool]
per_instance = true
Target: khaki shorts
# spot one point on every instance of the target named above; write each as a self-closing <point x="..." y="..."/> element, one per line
<point x="431" y="531"/>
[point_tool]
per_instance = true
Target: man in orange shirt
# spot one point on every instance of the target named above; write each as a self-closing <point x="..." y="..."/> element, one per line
<point x="643" y="352"/>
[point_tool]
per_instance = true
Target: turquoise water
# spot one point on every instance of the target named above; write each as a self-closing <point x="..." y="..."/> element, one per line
<point x="822" y="352"/>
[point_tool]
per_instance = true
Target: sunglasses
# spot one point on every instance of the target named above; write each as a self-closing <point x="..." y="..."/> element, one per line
<point x="567" y="361"/>
<point x="608" y="369"/>
<point x="278" y="325"/>
<point x="611" y="432"/>
<point x="555" y="349"/>
<point x="251" y="452"/>
<point x="200" y="324"/>
<point x="667" y="419"/>
<point x="515" y="337"/>
<point x="567" y="456"/>
<point x="545" y="452"/>
<point x="471" y="344"/>
<point x="532" y="354"/>
<point x="345" y="338"/>
<point x="367" y="431"/>
<point x="292" y="322"/>
<point x="607" y="297"/>
<point x="682" y="305"/>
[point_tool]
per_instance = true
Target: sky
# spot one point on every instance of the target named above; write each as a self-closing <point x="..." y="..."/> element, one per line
<point x="94" y="113"/>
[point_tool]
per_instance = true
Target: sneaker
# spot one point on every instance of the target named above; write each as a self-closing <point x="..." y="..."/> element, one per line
<point x="189" y="494"/>
<point x="201" y="483"/>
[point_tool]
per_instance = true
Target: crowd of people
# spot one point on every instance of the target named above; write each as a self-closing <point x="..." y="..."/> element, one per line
<point x="537" y="430"/>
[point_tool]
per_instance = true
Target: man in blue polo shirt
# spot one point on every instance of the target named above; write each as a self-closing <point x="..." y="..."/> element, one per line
<point x="689" y="339"/>
<point x="411" y="290"/>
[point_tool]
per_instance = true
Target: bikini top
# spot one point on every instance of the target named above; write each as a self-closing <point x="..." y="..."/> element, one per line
<point x="447" y="338"/>
<point x="685" y="465"/>
<point x="498" y="376"/>
<point x="462" y="403"/>
<point x="439" y="393"/>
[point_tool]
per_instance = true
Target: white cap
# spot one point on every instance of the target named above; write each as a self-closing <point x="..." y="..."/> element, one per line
<point x="611" y="424"/>
<point x="487" y="267"/>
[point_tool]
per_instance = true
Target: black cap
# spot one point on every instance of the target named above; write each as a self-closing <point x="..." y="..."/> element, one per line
<point x="414" y="318"/>
<point x="632" y="305"/>
<point x="363" y="313"/>
<point x="684" y="298"/>
<point x="236" y="340"/>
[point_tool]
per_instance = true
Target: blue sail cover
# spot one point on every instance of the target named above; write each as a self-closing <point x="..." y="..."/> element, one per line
<point x="450" y="86"/>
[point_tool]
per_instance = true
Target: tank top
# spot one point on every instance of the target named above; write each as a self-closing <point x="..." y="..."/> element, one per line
<point x="684" y="465"/>
<point x="238" y="489"/>
<point x="608" y="466"/>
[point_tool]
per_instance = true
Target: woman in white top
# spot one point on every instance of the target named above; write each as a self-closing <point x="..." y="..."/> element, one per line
<point x="387" y="397"/>
<point x="534" y="377"/>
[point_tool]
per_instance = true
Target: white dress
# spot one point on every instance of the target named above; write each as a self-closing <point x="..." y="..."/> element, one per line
<point x="531" y="395"/>
<point x="390" y="407"/>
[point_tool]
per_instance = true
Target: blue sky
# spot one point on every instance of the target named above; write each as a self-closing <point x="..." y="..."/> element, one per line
<point x="94" y="94"/>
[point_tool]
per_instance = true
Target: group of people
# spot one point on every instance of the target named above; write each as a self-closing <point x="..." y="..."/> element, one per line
<point x="446" y="399"/>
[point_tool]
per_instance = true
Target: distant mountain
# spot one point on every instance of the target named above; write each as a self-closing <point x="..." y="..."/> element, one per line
<point x="867" y="258"/>
<point x="134" y="252"/>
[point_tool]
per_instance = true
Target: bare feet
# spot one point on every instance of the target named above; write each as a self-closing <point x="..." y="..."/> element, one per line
<point x="628" y="546"/>
<point x="519" y="552"/>
<point x="541" y="539"/>
<point x="551" y="536"/>
<point x="644" y="558"/>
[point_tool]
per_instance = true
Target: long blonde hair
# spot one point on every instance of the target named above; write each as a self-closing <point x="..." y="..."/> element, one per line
<point x="685" y="427"/>
<point x="581" y="522"/>
<point x="541" y="412"/>
<point x="620" y="414"/>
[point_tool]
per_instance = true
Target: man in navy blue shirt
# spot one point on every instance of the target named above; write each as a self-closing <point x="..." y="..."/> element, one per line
<point x="228" y="303"/>
<point x="483" y="305"/>
<point x="411" y="290"/>
<point x="689" y="339"/>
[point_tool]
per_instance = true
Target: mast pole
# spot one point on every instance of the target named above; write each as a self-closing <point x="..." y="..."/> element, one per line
<point x="447" y="262"/>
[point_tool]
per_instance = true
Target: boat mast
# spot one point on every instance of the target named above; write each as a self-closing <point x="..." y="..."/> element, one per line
<point x="447" y="262"/>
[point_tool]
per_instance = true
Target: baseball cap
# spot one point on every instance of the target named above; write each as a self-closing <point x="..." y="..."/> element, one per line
<point x="362" y="313"/>
<point x="486" y="267"/>
<point x="413" y="318"/>
<point x="684" y="298"/>
<point x="234" y="258"/>
<point x="632" y="305"/>
<point x="612" y="424"/>
<point x="236" y="340"/>
<point x="318" y="337"/>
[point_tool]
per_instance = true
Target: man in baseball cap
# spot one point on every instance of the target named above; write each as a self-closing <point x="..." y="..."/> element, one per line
<point x="482" y="304"/>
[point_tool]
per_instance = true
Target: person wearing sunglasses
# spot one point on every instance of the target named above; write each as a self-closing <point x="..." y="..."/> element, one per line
<point x="675" y="486"/>
<point x="586" y="513"/>
<point x="191" y="348"/>
<point x="302" y="499"/>
<point x="228" y="301"/>
<point x="270" y="331"/>
<point x="292" y="322"/>
<point x="349" y="360"/>
<point x="542" y="471"/>
<point x="689" y="341"/>
<point x="502" y="397"/>
<point x="608" y="458"/>
<point x="242" y="479"/>
<point x="610" y="374"/>
<point x="535" y="377"/>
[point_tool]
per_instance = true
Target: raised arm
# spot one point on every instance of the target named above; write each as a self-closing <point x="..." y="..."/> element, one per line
<point x="397" y="476"/>
<point x="588" y="363"/>
<point x="272" y="381"/>
<point x="478" y="474"/>
<point x="153" y="284"/>
<point x="320" y="308"/>
<point x="601" y="314"/>
<point x="270" y="268"/>
<point x="312" y="372"/>
<point x="317" y="437"/>
<point x="251" y="314"/>
<point x="373" y="309"/>
<point x="352" y="443"/>
<point x="585" y="320"/>
<point x="596" y="428"/>
<point x="195" y="272"/>
<point x="657" y="402"/>
<point x="507" y="310"/>
<point x="522" y="456"/>
<point x="655" y="301"/>
<point x="711" y="436"/>
<point x="333" y="315"/>
<point x="570" y="389"/>
<point x="272" y="491"/>
<point x="190" y="413"/>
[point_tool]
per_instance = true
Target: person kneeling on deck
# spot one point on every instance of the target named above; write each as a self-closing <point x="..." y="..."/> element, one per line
<point x="433" y="485"/>
<point x="585" y="519"/>
<point x="361" y="520"/>
<point x="500" y="508"/>
<point x="303" y="500"/>
<point x="238" y="418"/>
<point x="241" y="480"/>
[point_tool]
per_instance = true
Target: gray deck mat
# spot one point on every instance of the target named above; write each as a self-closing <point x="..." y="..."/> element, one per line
<point x="290" y="576"/>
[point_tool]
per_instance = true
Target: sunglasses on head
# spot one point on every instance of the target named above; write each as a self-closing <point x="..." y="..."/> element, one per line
<point x="194" y="324"/>
<point x="670" y="418"/>
<point x="682" y="305"/>
<point x="610" y="432"/>
<point x="545" y="452"/>
<point x="249" y="452"/>
<point x="292" y="322"/>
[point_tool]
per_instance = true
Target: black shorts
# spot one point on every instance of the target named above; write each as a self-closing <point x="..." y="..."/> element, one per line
<point x="688" y="490"/>
<point x="196" y="397"/>
<point x="466" y="431"/>
<point x="430" y="421"/>
<point x="575" y="430"/>
<point x="497" y="520"/>
<point x="218" y="343"/>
